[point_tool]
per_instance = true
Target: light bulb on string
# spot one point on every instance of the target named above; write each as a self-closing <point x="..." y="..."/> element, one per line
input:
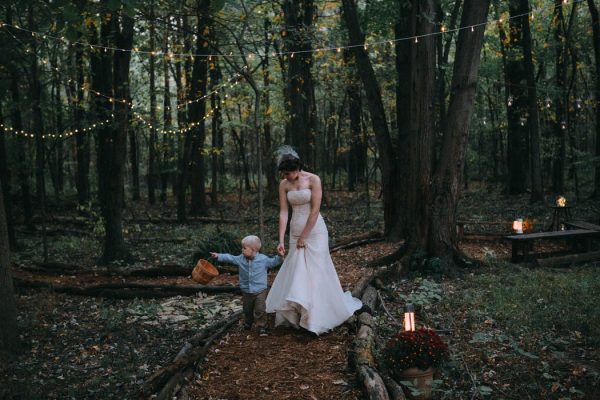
<point x="578" y="103"/>
<point x="509" y="101"/>
<point x="548" y="102"/>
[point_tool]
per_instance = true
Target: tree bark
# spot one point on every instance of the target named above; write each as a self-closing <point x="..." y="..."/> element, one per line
<point x="38" y="122"/>
<point x="516" y="104"/>
<point x="533" y="119"/>
<point x="152" y="140"/>
<point x="419" y="144"/>
<point x="167" y="140"/>
<point x="560" y="123"/>
<point x="268" y="150"/>
<point x="448" y="175"/>
<point x="112" y="140"/>
<point x="299" y="16"/>
<point x="8" y="309"/>
<point x="596" y="40"/>
<point x="5" y="188"/>
<point x="82" y="181"/>
<point x="378" y="117"/>
<point x="197" y="110"/>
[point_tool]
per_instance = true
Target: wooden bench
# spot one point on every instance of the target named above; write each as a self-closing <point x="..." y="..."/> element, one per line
<point x="582" y="225"/>
<point x="522" y="245"/>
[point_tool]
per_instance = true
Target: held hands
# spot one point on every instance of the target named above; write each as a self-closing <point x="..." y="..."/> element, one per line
<point x="281" y="249"/>
<point x="300" y="244"/>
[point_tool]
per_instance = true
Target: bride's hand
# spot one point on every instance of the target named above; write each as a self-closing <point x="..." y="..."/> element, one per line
<point x="281" y="249"/>
<point x="300" y="244"/>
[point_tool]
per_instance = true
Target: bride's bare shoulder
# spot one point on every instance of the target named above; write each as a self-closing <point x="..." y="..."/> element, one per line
<point x="313" y="178"/>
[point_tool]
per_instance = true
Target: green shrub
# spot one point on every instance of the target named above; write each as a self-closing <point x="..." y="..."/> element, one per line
<point x="218" y="242"/>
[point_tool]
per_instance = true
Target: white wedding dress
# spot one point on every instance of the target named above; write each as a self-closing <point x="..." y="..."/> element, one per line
<point x="307" y="291"/>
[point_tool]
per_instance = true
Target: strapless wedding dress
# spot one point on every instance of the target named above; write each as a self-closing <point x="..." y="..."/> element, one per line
<point x="306" y="291"/>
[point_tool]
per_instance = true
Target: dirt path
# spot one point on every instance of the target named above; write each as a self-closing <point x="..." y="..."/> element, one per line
<point x="288" y="363"/>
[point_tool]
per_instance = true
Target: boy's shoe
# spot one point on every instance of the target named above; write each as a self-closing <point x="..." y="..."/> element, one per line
<point x="263" y="332"/>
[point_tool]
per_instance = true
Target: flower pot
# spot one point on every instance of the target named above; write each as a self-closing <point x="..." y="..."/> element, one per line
<point x="420" y="380"/>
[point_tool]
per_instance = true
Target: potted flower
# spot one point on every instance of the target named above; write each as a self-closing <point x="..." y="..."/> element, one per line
<point x="412" y="356"/>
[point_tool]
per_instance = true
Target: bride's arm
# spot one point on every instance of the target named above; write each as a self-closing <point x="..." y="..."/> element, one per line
<point x="283" y="217"/>
<point x="315" y="206"/>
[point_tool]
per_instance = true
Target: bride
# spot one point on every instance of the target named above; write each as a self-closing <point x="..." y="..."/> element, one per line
<point x="306" y="291"/>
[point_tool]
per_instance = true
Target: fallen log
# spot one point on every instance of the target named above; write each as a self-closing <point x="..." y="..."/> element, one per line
<point x="362" y="355"/>
<point x="570" y="259"/>
<point x="370" y="237"/>
<point x="361" y="285"/>
<point x="164" y="383"/>
<point x="394" y="389"/>
<point x="372" y="383"/>
<point x="369" y="299"/>
<point x="128" y="290"/>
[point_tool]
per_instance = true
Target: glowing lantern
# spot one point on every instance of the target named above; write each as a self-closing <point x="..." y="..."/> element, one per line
<point x="561" y="201"/>
<point x="409" y="318"/>
<point x="518" y="225"/>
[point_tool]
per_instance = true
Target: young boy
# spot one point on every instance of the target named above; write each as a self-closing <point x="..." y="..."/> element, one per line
<point x="253" y="268"/>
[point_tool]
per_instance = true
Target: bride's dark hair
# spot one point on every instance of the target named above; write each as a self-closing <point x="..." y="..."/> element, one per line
<point x="288" y="160"/>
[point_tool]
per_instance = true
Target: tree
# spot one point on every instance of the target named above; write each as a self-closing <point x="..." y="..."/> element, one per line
<point x="110" y="74"/>
<point x="8" y="310"/>
<point x="596" y="41"/>
<point x="378" y="116"/>
<point x="299" y="15"/>
<point x="516" y="102"/>
<point x="446" y="188"/>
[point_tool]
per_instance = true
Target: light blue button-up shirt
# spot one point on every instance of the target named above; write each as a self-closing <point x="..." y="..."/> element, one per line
<point x="253" y="273"/>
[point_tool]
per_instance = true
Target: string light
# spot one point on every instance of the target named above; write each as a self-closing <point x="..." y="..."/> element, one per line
<point x="61" y="135"/>
<point x="443" y="30"/>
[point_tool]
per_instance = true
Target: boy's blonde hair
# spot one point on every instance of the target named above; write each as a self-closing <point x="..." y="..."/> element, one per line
<point x="252" y="241"/>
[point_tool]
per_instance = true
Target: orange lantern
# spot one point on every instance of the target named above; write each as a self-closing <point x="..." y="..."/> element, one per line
<point x="561" y="201"/>
<point x="409" y="318"/>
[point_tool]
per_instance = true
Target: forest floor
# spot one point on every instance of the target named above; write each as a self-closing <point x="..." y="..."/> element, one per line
<point x="85" y="347"/>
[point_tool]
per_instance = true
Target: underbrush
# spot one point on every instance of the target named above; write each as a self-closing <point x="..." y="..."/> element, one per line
<point x="538" y="301"/>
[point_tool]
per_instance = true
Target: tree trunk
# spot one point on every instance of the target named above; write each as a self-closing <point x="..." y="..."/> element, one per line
<point x="299" y="16"/>
<point x="533" y="120"/>
<point x="197" y="110"/>
<point x="37" y="115"/>
<point x="268" y="150"/>
<point x="217" y="132"/>
<point x="184" y="149"/>
<point x="112" y="140"/>
<point x="357" y="154"/>
<point x="83" y="147"/>
<point x="378" y="117"/>
<point x="560" y="124"/>
<point x="23" y="159"/>
<point x="167" y="140"/>
<point x="8" y="310"/>
<point x="152" y="139"/>
<point x="517" y="104"/>
<point x="596" y="39"/>
<point x="442" y="241"/>
<point x="404" y="27"/>
<point x="420" y="141"/>
<point x="5" y="188"/>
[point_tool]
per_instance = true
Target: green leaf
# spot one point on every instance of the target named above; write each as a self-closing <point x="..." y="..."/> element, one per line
<point x="71" y="14"/>
<point x="114" y="5"/>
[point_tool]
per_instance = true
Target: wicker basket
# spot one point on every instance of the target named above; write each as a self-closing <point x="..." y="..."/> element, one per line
<point x="204" y="272"/>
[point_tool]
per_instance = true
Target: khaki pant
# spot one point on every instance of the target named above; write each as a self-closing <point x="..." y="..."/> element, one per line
<point x="254" y="305"/>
